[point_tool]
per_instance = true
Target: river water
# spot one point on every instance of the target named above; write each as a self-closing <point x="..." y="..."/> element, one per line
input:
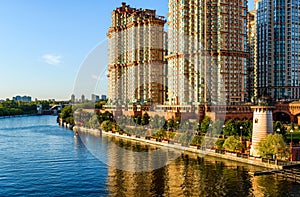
<point x="39" y="158"/>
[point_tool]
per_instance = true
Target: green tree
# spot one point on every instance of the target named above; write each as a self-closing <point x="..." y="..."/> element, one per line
<point x="186" y="125"/>
<point x="137" y="119"/>
<point x="217" y="127"/>
<point x="279" y="128"/>
<point x="247" y="128"/>
<point x="177" y="122"/>
<point x="66" y="112"/>
<point x="107" y="116"/>
<point x="106" y="125"/>
<point x="230" y="128"/>
<point x="177" y="137"/>
<point x="232" y="143"/>
<point x="197" y="140"/>
<point x="118" y="128"/>
<point x="161" y="134"/>
<point x="274" y="144"/>
<point x="145" y="119"/>
<point x="205" y="124"/>
<point x="183" y="138"/>
<point x="70" y="120"/>
<point x="99" y="104"/>
<point x="186" y="138"/>
<point x="219" y="143"/>
<point x="94" y="122"/>
<point x="157" y="122"/>
<point x="170" y="124"/>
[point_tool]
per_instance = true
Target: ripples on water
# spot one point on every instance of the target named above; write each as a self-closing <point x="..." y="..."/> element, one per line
<point x="39" y="158"/>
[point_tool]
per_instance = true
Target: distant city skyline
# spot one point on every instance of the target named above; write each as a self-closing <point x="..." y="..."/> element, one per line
<point x="43" y="43"/>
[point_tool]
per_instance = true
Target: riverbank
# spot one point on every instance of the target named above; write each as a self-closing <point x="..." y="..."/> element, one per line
<point x="15" y="116"/>
<point x="228" y="156"/>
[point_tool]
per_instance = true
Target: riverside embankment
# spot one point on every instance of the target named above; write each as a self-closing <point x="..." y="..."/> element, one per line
<point x="271" y="164"/>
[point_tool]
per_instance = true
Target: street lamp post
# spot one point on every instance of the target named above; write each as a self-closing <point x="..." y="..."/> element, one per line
<point x="278" y="130"/>
<point x="241" y="128"/>
<point x="291" y="131"/>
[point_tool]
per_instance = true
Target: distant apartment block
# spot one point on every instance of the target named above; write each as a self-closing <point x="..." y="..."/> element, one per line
<point x="278" y="48"/>
<point x="82" y="98"/>
<point x="73" y="98"/>
<point x="136" y="56"/>
<point x="103" y="97"/>
<point x="95" y="98"/>
<point x="22" y="98"/>
<point x="207" y="52"/>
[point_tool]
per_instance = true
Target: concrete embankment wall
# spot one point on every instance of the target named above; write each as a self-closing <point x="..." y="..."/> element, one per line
<point x="227" y="156"/>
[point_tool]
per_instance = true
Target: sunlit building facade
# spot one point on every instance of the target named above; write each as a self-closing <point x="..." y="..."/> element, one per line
<point x="251" y="66"/>
<point x="278" y="46"/>
<point x="207" y="52"/>
<point x="136" y="56"/>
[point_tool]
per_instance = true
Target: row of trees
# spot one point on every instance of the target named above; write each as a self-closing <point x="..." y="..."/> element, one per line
<point x="162" y="127"/>
<point x="184" y="131"/>
<point x="86" y="118"/>
<point x="11" y="108"/>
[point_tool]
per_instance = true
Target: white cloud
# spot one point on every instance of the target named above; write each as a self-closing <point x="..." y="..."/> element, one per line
<point x="97" y="78"/>
<point x="51" y="59"/>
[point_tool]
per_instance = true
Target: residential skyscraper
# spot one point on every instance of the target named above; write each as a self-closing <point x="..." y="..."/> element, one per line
<point x="136" y="56"/>
<point x="251" y="66"/>
<point x="207" y="51"/>
<point x="278" y="46"/>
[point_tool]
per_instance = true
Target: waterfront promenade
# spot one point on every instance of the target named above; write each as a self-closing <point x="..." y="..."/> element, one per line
<point x="271" y="164"/>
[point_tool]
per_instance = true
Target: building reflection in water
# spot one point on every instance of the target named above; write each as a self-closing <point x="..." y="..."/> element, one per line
<point x="188" y="175"/>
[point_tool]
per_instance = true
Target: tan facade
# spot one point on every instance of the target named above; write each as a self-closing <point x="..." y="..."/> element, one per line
<point x="252" y="49"/>
<point x="207" y="52"/>
<point x="136" y="56"/>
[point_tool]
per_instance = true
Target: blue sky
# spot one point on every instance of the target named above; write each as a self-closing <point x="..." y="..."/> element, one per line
<point x="44" y="42"/>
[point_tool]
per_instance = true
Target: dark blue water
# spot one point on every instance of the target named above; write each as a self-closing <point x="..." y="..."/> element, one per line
<point x="39" y="158"/>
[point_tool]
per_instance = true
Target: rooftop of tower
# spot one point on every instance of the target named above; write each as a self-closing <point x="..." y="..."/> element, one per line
<point x="145" y="13"/>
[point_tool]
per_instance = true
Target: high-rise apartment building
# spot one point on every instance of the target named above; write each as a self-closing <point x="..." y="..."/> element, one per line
<point x="278" y="46"/>
<point x="251" y="66"/>
<point x="137" y="67"/>
<point x="207" y="51"/>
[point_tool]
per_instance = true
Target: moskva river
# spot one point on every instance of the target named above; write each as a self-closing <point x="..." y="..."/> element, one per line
<point x="39" y="158"/>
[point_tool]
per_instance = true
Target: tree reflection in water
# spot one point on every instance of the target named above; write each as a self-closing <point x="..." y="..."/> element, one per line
<point x="190" y="175"/>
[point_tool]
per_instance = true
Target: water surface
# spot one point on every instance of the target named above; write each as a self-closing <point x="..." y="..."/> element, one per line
<point x="39" y="158"/>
